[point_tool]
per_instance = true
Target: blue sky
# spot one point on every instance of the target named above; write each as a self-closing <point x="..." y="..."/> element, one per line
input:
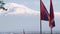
<point x="16" y="22"/>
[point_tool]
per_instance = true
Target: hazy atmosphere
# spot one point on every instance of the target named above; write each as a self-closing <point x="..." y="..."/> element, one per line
<point x="25" y="14"/>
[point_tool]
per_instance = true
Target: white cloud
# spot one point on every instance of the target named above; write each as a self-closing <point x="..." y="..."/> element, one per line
<point x="57" y="14"/>
<point x="17" y="9"/>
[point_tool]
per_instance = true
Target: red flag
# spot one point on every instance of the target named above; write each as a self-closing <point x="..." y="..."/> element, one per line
<point x="43" y="12"/>
<point x="52" y="22"/>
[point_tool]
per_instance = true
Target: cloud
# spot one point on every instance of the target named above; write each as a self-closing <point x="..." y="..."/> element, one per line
<point x="57" y="14"/>
<point x="18" y="9"/>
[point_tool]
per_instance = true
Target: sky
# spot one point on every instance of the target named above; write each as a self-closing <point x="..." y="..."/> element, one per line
<point x="33" y="4"/>
<point x="13" y="20"/>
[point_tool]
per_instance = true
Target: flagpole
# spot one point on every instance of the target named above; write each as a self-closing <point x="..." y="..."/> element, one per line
<point x="51" y="31"/>
<point x="40" y="27"/>
<point x="40" y="19"/>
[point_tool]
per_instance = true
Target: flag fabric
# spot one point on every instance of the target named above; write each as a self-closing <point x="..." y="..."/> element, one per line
<point x="52" y="22"/>
<point x="43" y="12"/>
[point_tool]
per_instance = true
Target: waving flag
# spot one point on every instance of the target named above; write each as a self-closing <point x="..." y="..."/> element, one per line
<point x="43" y="12"/>
<point x="52" y="22"/>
